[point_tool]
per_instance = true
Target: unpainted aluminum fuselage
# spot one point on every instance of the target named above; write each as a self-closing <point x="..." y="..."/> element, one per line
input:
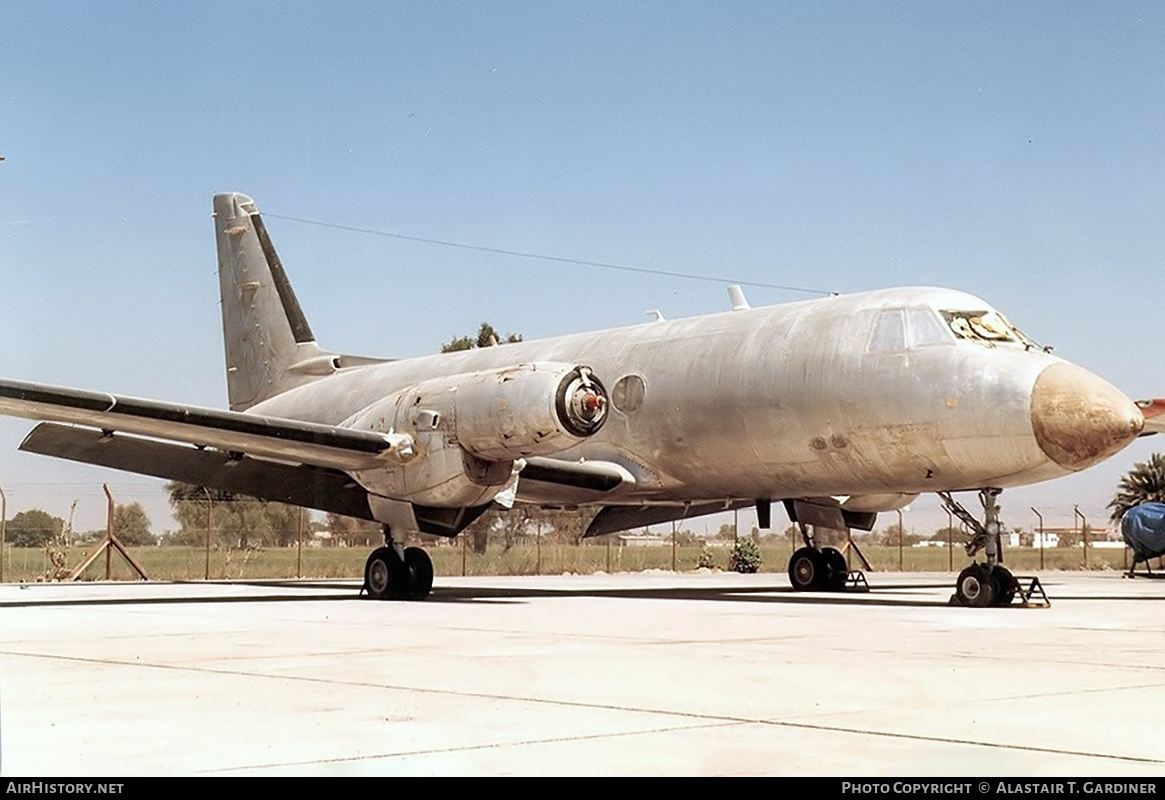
<point x="808" y="399"/>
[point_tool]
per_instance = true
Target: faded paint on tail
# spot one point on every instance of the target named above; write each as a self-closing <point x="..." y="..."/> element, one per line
<point x="270" y="347"/>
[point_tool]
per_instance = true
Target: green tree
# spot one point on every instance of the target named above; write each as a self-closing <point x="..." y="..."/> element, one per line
<point x="478" y="531"/>
<point x="949" y="534"/>
<point x="892" y="533"/>
<point x="830" y="536"/>
<point x="131" y="525"/>
<point x="33" y="528"/>
<point x="513" y="525"/>
<point x="1144" y="483"/>
<point x="745" y="556"/>
<point x="238" y="520"/>
<point x="566" y="526"/>
<point x="349" y="531"/>
<point x="509" y="525"/>
<point x="487" y="336"/>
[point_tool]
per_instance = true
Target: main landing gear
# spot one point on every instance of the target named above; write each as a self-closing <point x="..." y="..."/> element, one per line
<point x="818" y="569"/>
<point x="990" y="583"/>
<point x="396" y="572"/>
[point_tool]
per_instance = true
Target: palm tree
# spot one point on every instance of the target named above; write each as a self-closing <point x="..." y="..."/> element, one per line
<point x="1144" y="483"/>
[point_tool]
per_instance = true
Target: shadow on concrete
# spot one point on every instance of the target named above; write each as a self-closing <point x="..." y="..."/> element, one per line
<point x="281" y="591"/>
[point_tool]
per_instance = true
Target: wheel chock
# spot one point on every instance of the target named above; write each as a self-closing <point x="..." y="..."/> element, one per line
<point x="855" y="581"/>
<point x="1031" y="592"/>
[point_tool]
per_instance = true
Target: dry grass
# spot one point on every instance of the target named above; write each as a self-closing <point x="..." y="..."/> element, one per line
<point x="185" y="563"/>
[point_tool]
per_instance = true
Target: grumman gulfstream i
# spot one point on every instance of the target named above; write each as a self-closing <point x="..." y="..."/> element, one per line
<point x="839" y="407"/>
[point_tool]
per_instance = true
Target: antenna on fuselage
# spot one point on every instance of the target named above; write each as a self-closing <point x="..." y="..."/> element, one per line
<point x="736" y="297"/>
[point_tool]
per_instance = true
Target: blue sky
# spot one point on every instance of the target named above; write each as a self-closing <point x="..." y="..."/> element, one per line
<point x="1013" y="150"/>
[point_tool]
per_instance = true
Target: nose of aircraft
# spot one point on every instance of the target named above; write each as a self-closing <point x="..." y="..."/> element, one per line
<point x="1081" y="419"/>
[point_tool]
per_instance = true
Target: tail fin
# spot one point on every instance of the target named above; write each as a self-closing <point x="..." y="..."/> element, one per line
<point x="269" y="345"/>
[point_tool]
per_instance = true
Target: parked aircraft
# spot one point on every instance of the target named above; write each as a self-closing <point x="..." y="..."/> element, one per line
<point x="839" y="407"/>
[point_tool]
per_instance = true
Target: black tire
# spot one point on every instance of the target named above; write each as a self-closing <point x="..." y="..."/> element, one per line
<point x="381" y="574"/>
<point x="806" y="569"/>
<point x="836" y="570"/>
<point x="419" y="569"/>
<point x="1005" y="585"/>
<point x="976" y="586"/>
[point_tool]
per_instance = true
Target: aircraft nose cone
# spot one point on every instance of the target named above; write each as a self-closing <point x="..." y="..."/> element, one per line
<point x="1080" y="419"/>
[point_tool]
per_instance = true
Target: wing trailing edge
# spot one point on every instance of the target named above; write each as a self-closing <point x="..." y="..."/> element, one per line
<point x="612" y="519"/>
<point x="301" y="485"/>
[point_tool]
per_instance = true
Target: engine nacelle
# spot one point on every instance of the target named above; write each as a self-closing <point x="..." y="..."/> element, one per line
<point x="468" y="429"/>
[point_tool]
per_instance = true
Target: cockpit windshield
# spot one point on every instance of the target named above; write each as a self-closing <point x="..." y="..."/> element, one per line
<point x="989" y="327"/>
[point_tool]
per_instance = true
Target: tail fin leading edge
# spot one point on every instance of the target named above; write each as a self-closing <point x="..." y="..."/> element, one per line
<point x="270" y="347"/>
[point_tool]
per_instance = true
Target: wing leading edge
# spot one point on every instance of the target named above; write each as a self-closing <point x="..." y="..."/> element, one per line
<point x="230" y="431"/>
<point x="283" y="460"/>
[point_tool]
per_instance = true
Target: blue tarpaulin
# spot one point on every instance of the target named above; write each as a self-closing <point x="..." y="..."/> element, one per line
<point x="1143" y="529"/>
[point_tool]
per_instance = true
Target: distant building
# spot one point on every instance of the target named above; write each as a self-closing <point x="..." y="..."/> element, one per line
<point x="641" y="540"/>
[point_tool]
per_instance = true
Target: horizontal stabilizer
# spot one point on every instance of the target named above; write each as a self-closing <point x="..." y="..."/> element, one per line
<point x="1154" y="413"/>
<point x="310" y="487"/>
<point x="232" y="431"/>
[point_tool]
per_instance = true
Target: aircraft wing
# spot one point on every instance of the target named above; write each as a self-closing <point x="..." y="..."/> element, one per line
<point x="1154" y="413"/>
<point x="291" y="441"/>
<point x="298" y="484"/>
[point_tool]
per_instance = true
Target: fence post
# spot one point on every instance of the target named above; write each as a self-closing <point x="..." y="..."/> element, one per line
<point x="299" y="551"/>
<point x="673" y="545"/>
<point x="901" y="536"/>
<point x="1040" y="527"/>
<point x="1083" y="531"/>
<point x="3" y="528"/>
<point x="209" y="528"/>
<point x="950" y="542"/>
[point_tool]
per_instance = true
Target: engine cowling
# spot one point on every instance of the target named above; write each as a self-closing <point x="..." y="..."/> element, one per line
<point x="469" y="429"/>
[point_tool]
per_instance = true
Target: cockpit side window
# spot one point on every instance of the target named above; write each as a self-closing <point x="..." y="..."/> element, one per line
<point x="896" y="330"/>
<point x="925" y="328"/>
<point x="889" y="334"/>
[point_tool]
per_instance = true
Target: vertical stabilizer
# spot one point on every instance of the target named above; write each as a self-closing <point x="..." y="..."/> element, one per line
<point x="269" y="344"/>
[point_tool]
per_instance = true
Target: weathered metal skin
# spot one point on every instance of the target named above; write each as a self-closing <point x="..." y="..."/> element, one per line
<point x="859" y="402"/>
<point x="800" y="400"/>
<point x="468" y="429"/>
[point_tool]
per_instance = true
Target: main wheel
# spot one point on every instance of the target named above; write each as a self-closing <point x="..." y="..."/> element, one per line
<point x="1004" y="585"/>
<point x="380" y="573"/>
<point x="806" y="569"/>
<point x="976" y="586"/>
<point x="419" y="568"/>
<point x="836" y="570"/>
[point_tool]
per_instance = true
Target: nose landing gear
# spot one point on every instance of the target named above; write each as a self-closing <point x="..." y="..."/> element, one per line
<point x="989" y="583"/>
